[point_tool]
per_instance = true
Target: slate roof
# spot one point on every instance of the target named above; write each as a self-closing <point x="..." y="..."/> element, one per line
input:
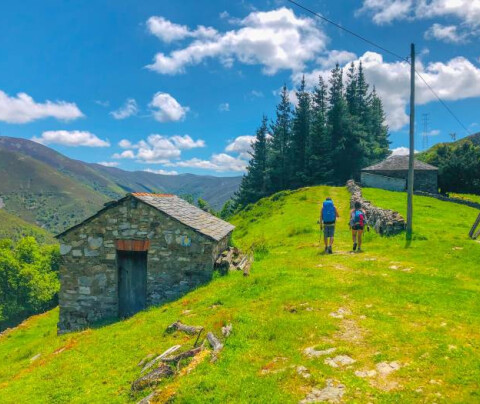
<point x="399" y="163"/>
<point x="177" y="208"/>
<point x="187" y="214"/>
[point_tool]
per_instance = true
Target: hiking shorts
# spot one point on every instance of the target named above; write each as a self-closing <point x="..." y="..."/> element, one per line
<point x="357" y="227"/>
<point x="328" y="230"/>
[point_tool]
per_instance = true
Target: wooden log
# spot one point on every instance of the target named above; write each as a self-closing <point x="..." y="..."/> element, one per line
<point x="187" y="354"/>
<point x="472" y="234"/>
<point x="188" y="329"/>
<point x="152" y="378"/>
<point x="160" y="357"/>
<point x="214" y="342"/>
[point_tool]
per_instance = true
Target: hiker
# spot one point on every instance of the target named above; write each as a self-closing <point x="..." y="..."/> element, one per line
<point x="328" y="217"/>
<point x="358" y="220"/>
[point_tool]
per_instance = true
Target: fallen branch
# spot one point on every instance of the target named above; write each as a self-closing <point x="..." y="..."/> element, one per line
<point x="160" y="357"/>
<point x="187" y="354"/>
<point x="188" y="329"/>
<point x="152" y="378"/>
<point x="227" y="330"/>
<point x="214" y="342"/>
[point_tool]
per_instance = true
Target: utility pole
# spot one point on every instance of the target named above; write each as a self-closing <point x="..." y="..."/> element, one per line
<point x="411" y="172"/>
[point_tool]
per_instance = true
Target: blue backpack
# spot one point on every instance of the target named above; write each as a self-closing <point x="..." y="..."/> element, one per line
<point x="329" y="215"/>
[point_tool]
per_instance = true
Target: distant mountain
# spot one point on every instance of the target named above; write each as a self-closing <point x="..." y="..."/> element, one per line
<point x="45" y="187"/>
<point x="14" y="228"/>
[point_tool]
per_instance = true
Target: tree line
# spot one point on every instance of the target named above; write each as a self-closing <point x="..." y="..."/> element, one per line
<point x="326" y="138"/>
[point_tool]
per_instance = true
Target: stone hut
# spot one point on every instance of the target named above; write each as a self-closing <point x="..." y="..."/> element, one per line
<point x="392" y="174"/>
<point x="142" y="250"/>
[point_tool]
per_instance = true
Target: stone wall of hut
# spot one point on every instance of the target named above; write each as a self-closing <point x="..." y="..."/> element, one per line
<point x="179" y="259"/>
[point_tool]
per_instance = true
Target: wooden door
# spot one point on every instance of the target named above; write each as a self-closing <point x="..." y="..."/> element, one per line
<point x="132" y="282"/>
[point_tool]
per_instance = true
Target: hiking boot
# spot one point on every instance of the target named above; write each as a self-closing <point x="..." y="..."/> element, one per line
<point x="326" y="250"/>
<point x="354" y="246"/>
<point x="330" y="250"/>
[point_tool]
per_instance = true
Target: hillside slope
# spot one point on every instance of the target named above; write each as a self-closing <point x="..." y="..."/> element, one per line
<point x="415" y="306"/>
<point x="112" y="183"/>
<point x="15" y="228"/>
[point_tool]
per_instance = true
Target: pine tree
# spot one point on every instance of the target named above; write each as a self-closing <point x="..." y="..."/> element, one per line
<point x="278" y="164"/>
<point x="346" y="134"/>
<point x="379" y="144"/>
<point x="351" y="91"/>
<point x="318" y="147"/>
<point x="254" y="184"/>
<point x="300" y="134"/>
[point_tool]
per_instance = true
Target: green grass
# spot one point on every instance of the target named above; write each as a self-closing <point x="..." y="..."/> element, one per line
<point x="468" y="197"/>
<point x="417" y="304"/>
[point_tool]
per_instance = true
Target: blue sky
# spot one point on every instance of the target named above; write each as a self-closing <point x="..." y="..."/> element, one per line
<point x="181" y="86"/>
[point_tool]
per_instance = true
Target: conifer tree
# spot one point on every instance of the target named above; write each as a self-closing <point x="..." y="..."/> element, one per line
<point x="278" y="164"/>
<point x="300" y="134"/>
<point x="378" y="131"/>
<point x="254" y="184"/>
<point x="318" y="147"/>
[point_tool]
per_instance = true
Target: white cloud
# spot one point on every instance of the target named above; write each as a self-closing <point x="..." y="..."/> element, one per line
<point x="23" y="109"/>
<point x="241" y="145"/>
<point x="71" y="138"/>
<point x="168" y="31"/>
<point x="434" y="132"/>
<point x="158" y="149"/>
<point x="401" y="151"/>
<point x="333" y="57"/>
<point x="109" y="163"/>
<point x="161" y="172"/>
<point x="467" y="11"/>
<point x="224" y="107"/>
<point x="127" y="154"/>
<point x="446" y="33"/>
<point x="125" y="144"/>
<point x="277" y="40"/>
<point x="165" y="108"/>
<point x="102" y="103"/>
<point x="128" y="109"/>
<point x="218" y="162"/>
<point x="453" y="80"/>
<point x="185" y="142"/>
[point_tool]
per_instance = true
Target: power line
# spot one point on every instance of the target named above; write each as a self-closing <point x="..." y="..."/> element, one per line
<point x="404" y="59"/>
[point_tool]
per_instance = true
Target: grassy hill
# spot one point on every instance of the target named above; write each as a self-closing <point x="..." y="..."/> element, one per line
<point x="15" y="228"/>
<point x="417" y="306"/>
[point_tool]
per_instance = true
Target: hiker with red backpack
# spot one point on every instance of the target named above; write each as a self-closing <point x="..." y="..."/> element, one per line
<point x="358" y="221"/>
<point x="328" y="217"/>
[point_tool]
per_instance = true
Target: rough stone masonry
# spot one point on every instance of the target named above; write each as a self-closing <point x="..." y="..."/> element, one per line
<point x="183" y="243"/>
<point x="385" y="222"/>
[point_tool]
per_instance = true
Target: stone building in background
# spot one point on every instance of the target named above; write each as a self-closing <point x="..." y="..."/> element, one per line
<point x="142" y="250"/>
<point x="392" y="174"/>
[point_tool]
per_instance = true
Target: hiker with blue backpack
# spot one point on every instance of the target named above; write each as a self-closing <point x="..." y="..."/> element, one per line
<point x="358" y="221"/>
<point x="328" y="217"/>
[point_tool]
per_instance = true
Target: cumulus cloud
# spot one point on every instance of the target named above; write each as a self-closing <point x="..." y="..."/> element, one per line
<point x="161" y="172"/>
<point x="109" y="163"/>
<point x="128" y="109"/>
<point x="168" y="31"/>
<point x="466" y="11"/>
<point x="330" y="59"/>
<point x="165" y="108"/>
<point x="277" y="40"/>
<point x="241" y="145"/>
<point x="453" y="80"/>
<point x="218" y="162"/>
<point x="71" y="138"/>
<point x="446" y="33"/>
<point x="157" y="148"/>
<point x="224" y="107"/>
<point x="23" y="109"/>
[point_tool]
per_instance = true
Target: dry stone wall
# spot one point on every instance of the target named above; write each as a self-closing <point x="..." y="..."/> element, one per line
<point x="179" y="259"/>
<point x="385" y="222"/>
